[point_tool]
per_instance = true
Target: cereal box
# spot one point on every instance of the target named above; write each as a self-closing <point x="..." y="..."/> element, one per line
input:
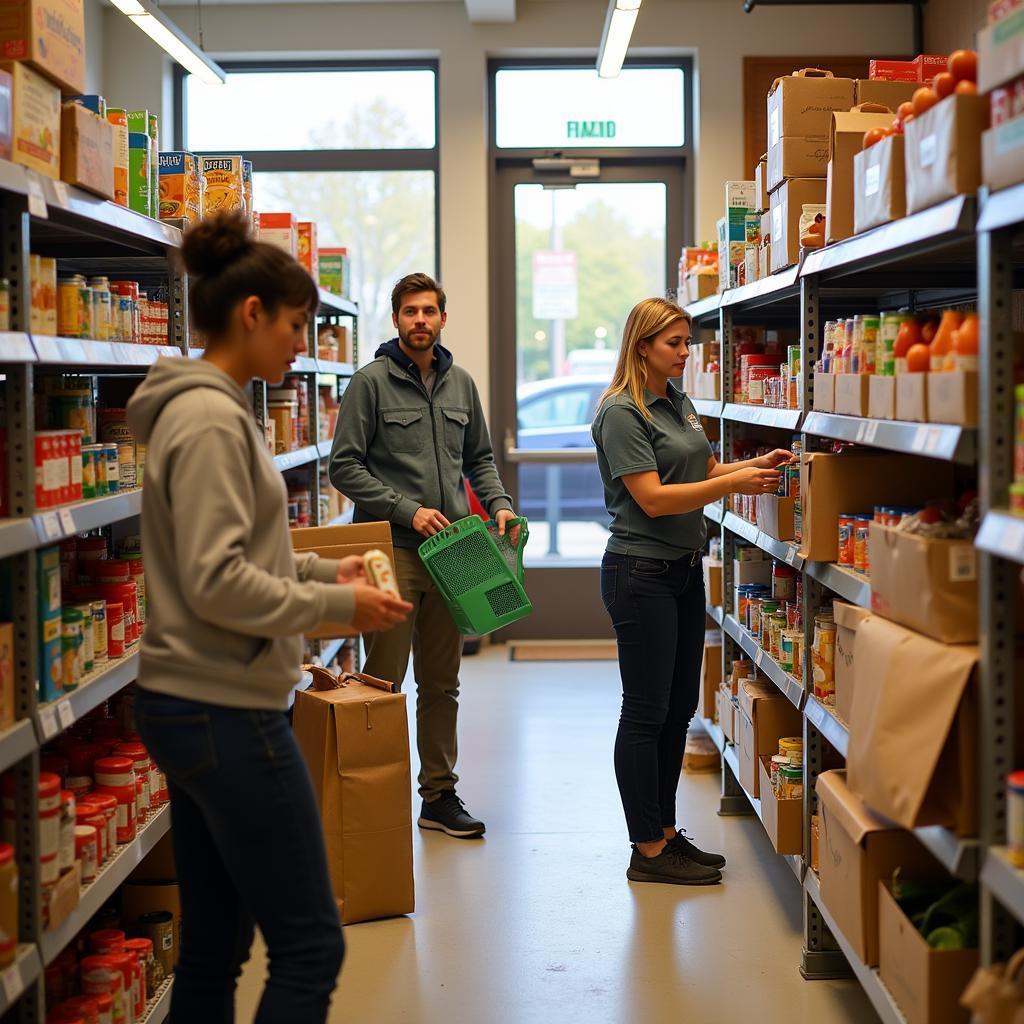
<point x="308" y="254"/>
<point x="49" y="35"/>
<point x="223" y="188"/>
<point x="280" y="229"/>
<point x="118" y="117"/>
<point x="334" y="271"/>
<point x="138" y="172"/>
<point x="181" y="193"/>
<point x="35" y="121"/>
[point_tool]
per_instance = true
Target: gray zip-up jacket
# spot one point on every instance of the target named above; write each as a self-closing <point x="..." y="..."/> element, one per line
<point x="398" y="449"/>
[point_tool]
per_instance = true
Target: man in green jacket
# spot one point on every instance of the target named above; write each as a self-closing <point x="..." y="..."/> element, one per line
<point x="410" y="428"/>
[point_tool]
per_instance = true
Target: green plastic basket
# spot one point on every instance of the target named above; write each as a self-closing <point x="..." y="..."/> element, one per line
<point x="479" y="573"/>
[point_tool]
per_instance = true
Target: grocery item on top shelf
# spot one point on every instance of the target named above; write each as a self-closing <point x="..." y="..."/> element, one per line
<point x="247" y="196"/>
<point x="698" y="272"/>
<point x="797" y="158"/>
<point x="761" y="185"/>
<point x="142" y="122"/>
<point x="800" y="107"/>
<point x="35" y="119"/>
<point x="335" y="271"/>
<point x="139" y="172"/>
<point x="308" y="252"/>
<point x="87" y="150"/>
<point x="787" y="203"/>
<point x="223" y="188"/>
<point x="1001" y="73"/>
<point x="118" y="117"/>
<point x="880" y="184"/>
<point x="740" y="201"/>
<point x="49" y="35"/>
<point x="281" y="230"/>
<point x="887" y="93"/>
<point x="180" y="187"/>
<point x="892" y="71"/>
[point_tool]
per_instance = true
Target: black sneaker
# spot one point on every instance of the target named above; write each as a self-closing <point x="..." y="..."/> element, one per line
<point x="698" y="856"/>
<point x="448" y="814"/>
<point x="671" y="866"/>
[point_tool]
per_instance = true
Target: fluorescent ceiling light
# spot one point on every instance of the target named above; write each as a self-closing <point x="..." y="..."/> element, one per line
<point x="171" y="39"/>
<point x="618" y="29"/>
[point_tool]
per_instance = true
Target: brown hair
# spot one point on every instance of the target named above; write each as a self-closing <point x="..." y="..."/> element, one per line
<point x="226" y="265"/>
<point x="416" y="283"/>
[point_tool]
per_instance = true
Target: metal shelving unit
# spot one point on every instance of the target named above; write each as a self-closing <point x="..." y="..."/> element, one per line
<point x="763" y="416"/>
<point x="791" y="687"/>
<point x="784" y="551"/>
<point x="114" y="354"/>
<point x="715" y="512"/>
<point x="936" y="440"/>
<point x="159" y="1006"/>
<point x="709" y="407"/>
<point x="1004" y="881"/>
<point x="1002" y="534"/>
<point x="845" y="583"/>
<point x="17" y="978"/>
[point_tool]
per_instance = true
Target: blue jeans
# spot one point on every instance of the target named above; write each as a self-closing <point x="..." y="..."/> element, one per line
<point x="250" y="851"/>
<point x="657" y="609"/>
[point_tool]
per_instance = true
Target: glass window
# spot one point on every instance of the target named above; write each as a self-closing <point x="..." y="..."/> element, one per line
<point x="302" y="110"/>
<point x="384" y="218"/>
<point x="572" y="108"/>
<point x="566" y="408"/>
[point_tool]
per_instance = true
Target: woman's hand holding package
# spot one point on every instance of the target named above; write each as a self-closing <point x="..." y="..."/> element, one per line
<point x="351" y="569"/>
<point x="779" y="457"/>
<point x="755" y="481"/>
<point x="377" y="610"/>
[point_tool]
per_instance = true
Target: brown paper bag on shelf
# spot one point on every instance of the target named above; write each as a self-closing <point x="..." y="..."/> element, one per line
<point x="996" y="994"/>
<point x="354" y="734"/>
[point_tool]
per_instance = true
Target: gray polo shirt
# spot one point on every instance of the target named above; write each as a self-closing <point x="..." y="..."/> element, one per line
<point x="673" y="444"/>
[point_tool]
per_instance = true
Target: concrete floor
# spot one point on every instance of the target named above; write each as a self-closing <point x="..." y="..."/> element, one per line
<point x="537" y="922"/>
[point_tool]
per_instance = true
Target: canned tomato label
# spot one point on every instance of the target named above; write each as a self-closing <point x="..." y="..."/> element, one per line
<point x="847" y="540"/>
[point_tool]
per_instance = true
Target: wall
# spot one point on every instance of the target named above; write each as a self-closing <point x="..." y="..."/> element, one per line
<point x="95" y="45"/>
<point x="951" y="24"/>
<point x="717" y="32"/>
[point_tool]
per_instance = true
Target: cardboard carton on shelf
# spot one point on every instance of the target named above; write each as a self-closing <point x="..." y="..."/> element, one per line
<point x="63" y="897"/>
<point x="354" y="734"/>
<point x="711" y="672"/>
<point x="35" y="120"/>
<point x="925" y="983"/>
<point x="880" y="184"/>
<point x="783" y="819"/>
<point x="888" y="93"/>
<point x="339" y="542"/>
<point x="845" y="142"/>
<point x="859" y="850"/>
<point x="48" y="35"/>
<point x="797" y="157"/>
<point x="943" y="151"/>
<point x="824" y="399"/>
<point x="765" y="717"/>
<point x="756" y="571"/>
<point x="800" y="105"/>
<point x="713" y="580"/>
<point x="882" y="397"/>
<point x="6" y="113"/>
<point x="854" y="482"/>
<point x="87" y="150"/>
<point x="929" y="65"/>
<point x="893" y="71"/>
<point x="912" y="397"/>
<point x="787" y="203"/>
<point x="139" y="898"/>
<point x="927" y="585"/>
<point x="848" y="620"/>
<point x="953" y="397"/>
<point x="1002" y="154"/>
<point x="775" y="516"/>
<point x="761" y="184"/>
<point x="912" y="754"/>
<point x="282" y="230"/>
<point x="852" y="393"/>
<point x="1001" y="51"/>
<point x="726" y="717"/>
<point x="700" y="286"/>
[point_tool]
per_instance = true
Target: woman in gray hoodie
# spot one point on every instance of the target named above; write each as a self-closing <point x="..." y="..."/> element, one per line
<point x="227" y="603"/>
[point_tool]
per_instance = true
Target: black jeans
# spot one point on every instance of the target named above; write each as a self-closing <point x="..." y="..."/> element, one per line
<point x="657" y="610"/>
<point x="250" y="851"/>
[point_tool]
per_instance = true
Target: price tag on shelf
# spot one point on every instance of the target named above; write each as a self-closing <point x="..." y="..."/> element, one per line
<point x="1013" y="539"/>
<point x="815" y="714"/>
<point x="36" y="197"/>
<point x="48" y="721"/>
<point x="48" y="526"/>
<point x="872" y="432"/>
<point x="66" y="714"/>
<point x="760" y="659"/>
<point x="67" y="520"/>
<point x="792" y="556"/>
<point x="862" y="431"/>
<point x="934" y="440"/>
<point x="920" y="439"/>
<point x="12" y="983"/>
<point x="60" y="190"/>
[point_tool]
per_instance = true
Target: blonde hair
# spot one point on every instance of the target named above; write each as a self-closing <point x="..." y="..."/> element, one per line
<point x="647" y="318"/>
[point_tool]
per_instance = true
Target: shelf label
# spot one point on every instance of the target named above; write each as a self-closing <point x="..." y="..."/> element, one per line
<point x="920" y="439"/>
<point x="67" y="520"/>
<point x="872" y="432"/>
<point x="12" y="983"/>
<point x="815" y="714"/>
<point x="934" y="440"/>
<point x="66" y="714"/>
<point x="36" y="197"/>
<point x="48" y="722"/>
<point x="1013" y="539"/>
<point x="48" y="526"/>
<point x="862" y="432"/>
<point x="760" y="659"/>
<point x="60" y="190"/>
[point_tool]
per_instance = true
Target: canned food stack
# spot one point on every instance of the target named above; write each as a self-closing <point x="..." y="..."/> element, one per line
<point x="772" y="613"/>
<point x="786" y="769"/>
<point x="99" y="309"/>
<point x="767" y="368"/>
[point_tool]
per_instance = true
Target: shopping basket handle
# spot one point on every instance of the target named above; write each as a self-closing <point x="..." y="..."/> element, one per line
<point x="524" y="536"/>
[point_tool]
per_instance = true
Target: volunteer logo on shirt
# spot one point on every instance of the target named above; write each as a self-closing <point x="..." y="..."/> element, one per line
<point x="694" y="422"/>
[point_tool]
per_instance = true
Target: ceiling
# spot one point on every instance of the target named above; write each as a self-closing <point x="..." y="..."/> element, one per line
<point x="477" y="10"/>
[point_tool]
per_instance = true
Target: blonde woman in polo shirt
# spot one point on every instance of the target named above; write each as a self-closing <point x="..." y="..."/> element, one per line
<point x="659" y="472"/>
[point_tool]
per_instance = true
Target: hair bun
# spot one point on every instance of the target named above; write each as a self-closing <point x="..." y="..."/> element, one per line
<point x="214" y="243"/>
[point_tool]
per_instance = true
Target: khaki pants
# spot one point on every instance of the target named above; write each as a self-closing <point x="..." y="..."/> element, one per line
<point x="436" y="647"/>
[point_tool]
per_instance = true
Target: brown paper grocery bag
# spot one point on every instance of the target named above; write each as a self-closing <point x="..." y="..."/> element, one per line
<point x="354" y="734"/>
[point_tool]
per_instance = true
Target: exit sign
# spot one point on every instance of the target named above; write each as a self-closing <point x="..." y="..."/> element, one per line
<point x="590" y="129"/>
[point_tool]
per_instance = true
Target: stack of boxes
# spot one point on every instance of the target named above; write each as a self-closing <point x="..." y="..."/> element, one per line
<point x="1001" y="75"/>
<point x="732" y="233"/>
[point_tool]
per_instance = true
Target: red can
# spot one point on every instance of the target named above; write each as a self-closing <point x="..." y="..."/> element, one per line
<point x="140" y="758"/>
<point x="77" y="1008"/>
<point x="847" y="540"/>
<point x="73" y="450"/>
<point x="111" y="570"/>
<point x="101" y="974"/>
<point x="87" y="813"/>
<point x="134" y="986"/>
<point x="115" y="776"/>
<point x="115" y="630"/>
<point x="87" y="851"/>
<point x="82" y="758"/>
<point x="107" y="806"/>
<point x="107" y="942"/>
<point x="126" y="594"/>
<point x="143" y="950"/>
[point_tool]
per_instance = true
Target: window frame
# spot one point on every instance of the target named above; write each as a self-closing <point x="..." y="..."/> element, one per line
<point x="332" y="160"/>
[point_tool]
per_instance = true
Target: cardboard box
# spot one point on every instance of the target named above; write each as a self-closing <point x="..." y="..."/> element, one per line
<point x="893" y="71"/>
<point x="953" y="397"/>
<point x="354" y="734"/>
<point x="727" y="715"/>
<point x="845" y="142"/>
<point x="1002" y="154"/>
<point x="713" y="581"/>
<point x="765" y="717"/>
<point x="1001" y="51"/>
<point x="49" y="35"/>
<point x="927" y="585"/>
<point x="797" y="157"/>
<point x="63" y="897"/>
<point x="308" y="253"/>
<point x="787" y="204"/>
<point x="824" y="399"/>
<point x="759" y="571"/>
<point x="848" y="620"/>
<point x="335" y="271"/>
<point x="181" y="187"/>
<point x="929" y="65"/>
<point x="761" y="184"/>
<point x="880" y="184"/>
<point x="912" y="753"/>
<point x="701" y="286"/>
<point x="711" y="672"/>
<point x="925" y="983"/>
<point x="339" y="542"/>
<point x="223" y="185"/>
<point x="87" y="150"/>
<point x="943" y="151"/>
<point x="912" y="397"/>
<point x="282" y="230"/>
<point x="801" y="104"/>
<point x="852" y="393"/>
<point x="35" y="120"/>
<point x="882" y="398"/>
<point x="890" y="94"/>
<point x="783" y="819"/>
<point x="855" y="482"/>
<point x="775" y="516"/>
<point x="859" y="850"/>
<point x="6" y="114"/>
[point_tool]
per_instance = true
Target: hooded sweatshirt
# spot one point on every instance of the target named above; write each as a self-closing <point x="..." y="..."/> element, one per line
<point x="227" y="598"/>
<point x="399" y="447"/>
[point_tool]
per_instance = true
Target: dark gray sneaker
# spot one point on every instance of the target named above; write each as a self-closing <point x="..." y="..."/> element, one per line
<point x="671" y="866"/>
<point x="448" y="814"/>
<point x="698" y="856"/>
